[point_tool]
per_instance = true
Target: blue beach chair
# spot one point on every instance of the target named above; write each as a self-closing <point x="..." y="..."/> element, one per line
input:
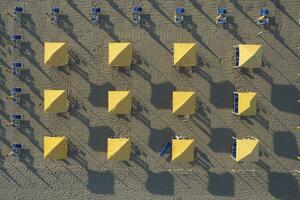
<point x="95" y="13"/>
<point x="221" y="18"/>
<point x="136" y="14"/>
<point x="263" y="18"/>
<point x="165" y="149"/>
<point x="179" y="15"/>
<point x="55" y="12"/>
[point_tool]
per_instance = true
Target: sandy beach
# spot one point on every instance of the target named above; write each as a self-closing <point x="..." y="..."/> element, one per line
<point x="87" y="174"/>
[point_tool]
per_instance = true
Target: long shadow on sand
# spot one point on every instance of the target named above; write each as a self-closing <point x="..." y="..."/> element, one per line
<point x="4" y="171"/>
<point x="66" y="25"/>
<point x="75" y="7"/>
<point x="27" y="130"/>
<point x="199" y="8"/>
<point x="108" y="27"/>
<point x="156" y="6"/>
<point x="29" y="25"/>
<point x="149" y="26"/>
<point x="285" y="144"/>
<point x="280" y="7"/>
<point x="4" y="36"/>
<point x="28" y="79"/>
<point x="28" y="160"/>
<point x="192" y="27"/>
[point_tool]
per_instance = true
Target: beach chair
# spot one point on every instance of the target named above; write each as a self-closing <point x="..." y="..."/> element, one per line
<point x="16" y="38"/>
<point x="136" y="14"/>
<point x="165" y="149"/>
<point x="55" y="12"/>
<point x="95" y="13"/>
<point x="15" y="67"/>
<point x="16" y="120"/>
<point x="233" y="148"/>
<point x="15" y="93"/>
<point x="236" y="57"/>
<point x="17" y="149"/>
<point x="179" y="15"/>
<point x="235" y="102"/>
<point x="17" y="13"/>
<point x="221" y="18"/>
<point x="263" y="18"/>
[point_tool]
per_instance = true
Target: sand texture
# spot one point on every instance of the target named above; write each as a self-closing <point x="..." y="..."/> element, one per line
<point x="87" y="174"/>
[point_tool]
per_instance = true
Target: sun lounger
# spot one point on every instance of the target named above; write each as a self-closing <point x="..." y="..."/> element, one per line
<point x="165" y="149"/>
<point x="263" y="18"/>
<point x="16" y="38"/>
<point x="233" y="148"/>
<point x="136" y="14"/>
<point x="221" y="18"/>
<point x="95" y="13"/>
<point x="179" y="15"/>
<point x="55" y="12"/>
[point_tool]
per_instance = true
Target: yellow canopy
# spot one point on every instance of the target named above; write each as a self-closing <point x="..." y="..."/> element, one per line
<point x="120" y="54"/>
<point x="247" y="149"/>
<point x="184" y="102"/>
<point x="118" y="149"/>
<point x="55" y="147"/>
<point x="183" y="150"/>
<point x="119" y="102"/>
<point x="184" y="54"/>
<point x="55" y="101"/>
<point x="247" y="104"/>
<point x="250" y="55"/>
<point x="55" y="54"/>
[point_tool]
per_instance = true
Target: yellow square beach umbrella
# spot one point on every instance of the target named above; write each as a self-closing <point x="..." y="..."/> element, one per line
<point x="250" y="55"/>
<point x="119" y="102"/>
<point x="55" y="101"/>
<point x="246" y="149"/>
<point x="183" y="150"/>
<point x="55" y="54"/>
<point x="184" y="102"/>
<point x="246" y="103"/>
<point x="55" y="147"/>
<point x="184" y="54"/>
<point x="120" y="54"/>
<point x="118" y="149"/>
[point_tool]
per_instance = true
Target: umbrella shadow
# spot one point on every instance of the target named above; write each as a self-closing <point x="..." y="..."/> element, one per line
<point x="160" y="183"/>
<point x="161" y="96"/>
<point x="285" y="97"/>
<point x="221" y="184"/>
<point x="99" y="94"/>
<point x="281" y="185"/>
<point x="159" y="138"/>
<point x="221" y="94"/>
<point x="101" y="182"/>
<point x="98" y="137"/>
<point x="220" y="140"/>
<point x="285" y="145"/>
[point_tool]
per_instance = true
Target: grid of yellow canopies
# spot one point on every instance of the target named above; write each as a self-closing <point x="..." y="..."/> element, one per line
<point x="183" y="102"/>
